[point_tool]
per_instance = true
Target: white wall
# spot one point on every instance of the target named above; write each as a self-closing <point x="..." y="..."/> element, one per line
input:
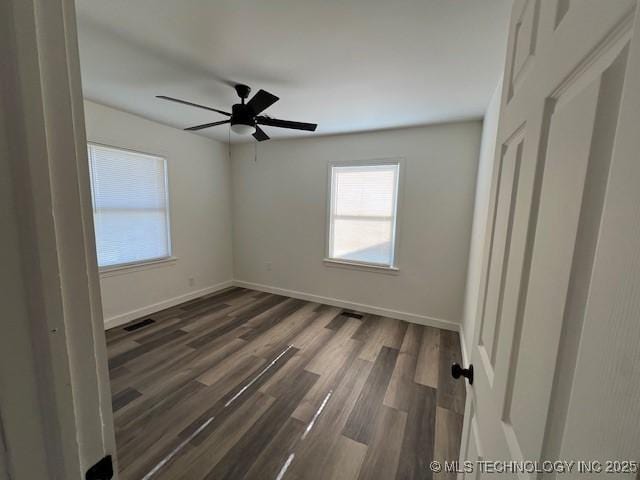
<point x="200" y="209"/>
<point x="480" y="215"/>
<point x="279" y="212"/>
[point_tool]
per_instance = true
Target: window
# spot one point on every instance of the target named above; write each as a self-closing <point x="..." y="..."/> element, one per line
<point x="130" y="210"/>
<point x="362" y="213"/>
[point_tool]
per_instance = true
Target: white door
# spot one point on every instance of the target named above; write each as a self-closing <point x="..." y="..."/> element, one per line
<point x="557" y="336"/>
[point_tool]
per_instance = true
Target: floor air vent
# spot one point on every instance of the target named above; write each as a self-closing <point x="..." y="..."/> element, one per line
<point x="138" y="325"/>
<point x="351" y="314"/>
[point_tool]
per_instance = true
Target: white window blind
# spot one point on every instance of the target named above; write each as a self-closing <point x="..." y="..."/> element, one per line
<point x="130" y="208"/>
<point x="363" y="213"/>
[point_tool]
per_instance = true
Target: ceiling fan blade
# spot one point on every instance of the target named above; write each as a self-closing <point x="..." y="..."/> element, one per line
<point x="206" y="125"/>
<point x="191" y="104"/>
<point x="259" y="135"/>
<point x="274" y="122"/>
<point x="261" y="101"/>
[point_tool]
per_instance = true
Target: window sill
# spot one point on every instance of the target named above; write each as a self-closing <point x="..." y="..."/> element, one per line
<point x="135" y="267"/>
<point x="366" y="267"/>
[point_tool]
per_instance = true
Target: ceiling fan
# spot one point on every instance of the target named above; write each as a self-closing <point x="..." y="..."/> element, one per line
<point x="244" y="117"/>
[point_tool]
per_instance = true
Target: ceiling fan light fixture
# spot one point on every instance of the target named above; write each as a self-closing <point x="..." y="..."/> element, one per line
<point x="242" y="129"/>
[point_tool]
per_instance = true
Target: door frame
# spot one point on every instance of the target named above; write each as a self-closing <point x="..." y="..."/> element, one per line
<point x="55" y="400"/>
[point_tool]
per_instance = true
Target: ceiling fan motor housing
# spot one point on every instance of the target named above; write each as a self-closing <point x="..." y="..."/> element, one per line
<point x="243" y="115"/>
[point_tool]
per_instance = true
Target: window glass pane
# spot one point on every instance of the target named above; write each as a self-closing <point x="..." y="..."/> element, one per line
<point x="363" y="213"/>
<point x="130" y="206"/>
<point x="365" y="191"/>
<point x="363" y="240"/>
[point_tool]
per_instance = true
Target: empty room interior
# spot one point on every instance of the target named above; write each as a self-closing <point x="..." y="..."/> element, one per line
<point x="321" y="239"/>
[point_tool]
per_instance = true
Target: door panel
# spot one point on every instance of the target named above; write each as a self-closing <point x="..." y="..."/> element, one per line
<point x="564" y="172"/>
<point x="526" y="30"/>
<point x="566" y="70"/>
<point x="509" y="176"/>
<point x="589" y="225"/>
<point x="606" y="376"/>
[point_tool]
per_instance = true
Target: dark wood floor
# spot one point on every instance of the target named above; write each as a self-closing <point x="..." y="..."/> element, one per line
<point x="243" y="384"/>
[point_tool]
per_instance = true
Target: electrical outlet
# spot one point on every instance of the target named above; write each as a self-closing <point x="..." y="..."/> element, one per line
<point x="192" y="281"/>
<point x="268" y="265"/>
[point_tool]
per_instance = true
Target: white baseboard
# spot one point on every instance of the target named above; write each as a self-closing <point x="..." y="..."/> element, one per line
<point x="336" y="302"/>
<point x="156" y="307"/>
<point x="123" y="318"/>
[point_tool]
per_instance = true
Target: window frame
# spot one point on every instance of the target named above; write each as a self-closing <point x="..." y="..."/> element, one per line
<point x="329" y="261"/>
<point x="126" y="267"/>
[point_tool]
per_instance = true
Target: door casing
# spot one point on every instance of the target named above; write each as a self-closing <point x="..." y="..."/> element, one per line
<point x="55" y="402"/>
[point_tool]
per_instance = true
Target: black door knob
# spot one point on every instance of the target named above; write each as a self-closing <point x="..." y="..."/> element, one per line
<point x="457" y="371"/>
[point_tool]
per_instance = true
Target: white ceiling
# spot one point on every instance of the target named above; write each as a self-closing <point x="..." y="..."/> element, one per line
<point x="348" y="65"/>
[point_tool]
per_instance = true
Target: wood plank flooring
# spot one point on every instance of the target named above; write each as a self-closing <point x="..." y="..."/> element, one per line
<point x="248" y="385"/>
